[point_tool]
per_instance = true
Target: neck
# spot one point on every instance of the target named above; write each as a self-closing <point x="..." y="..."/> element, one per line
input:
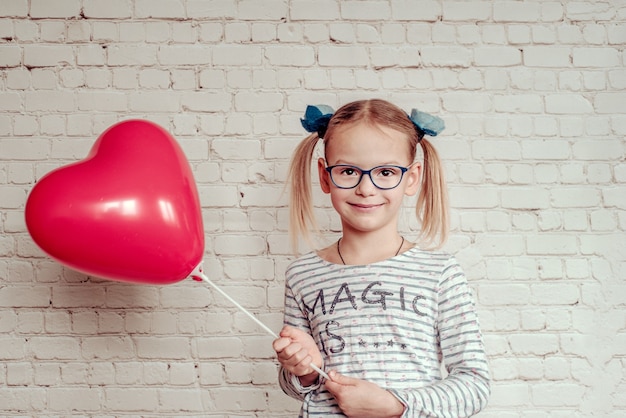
<point x="356" y="251"/>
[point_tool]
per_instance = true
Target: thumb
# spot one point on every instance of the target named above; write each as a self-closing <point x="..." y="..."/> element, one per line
<point x="340" y="379"/>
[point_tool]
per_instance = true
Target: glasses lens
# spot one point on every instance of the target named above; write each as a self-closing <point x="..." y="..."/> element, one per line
<point x="386" y="177"/>
<point x="345" y="176"/>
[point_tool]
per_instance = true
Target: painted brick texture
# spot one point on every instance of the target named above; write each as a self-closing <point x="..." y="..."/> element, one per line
<point x="533" y="96"/>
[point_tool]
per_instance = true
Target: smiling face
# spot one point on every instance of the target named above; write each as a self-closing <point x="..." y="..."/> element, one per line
<point x="367" y="208"/>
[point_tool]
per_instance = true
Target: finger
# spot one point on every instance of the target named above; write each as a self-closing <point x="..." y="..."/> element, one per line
<point x="341" y="379"/>
<point x="287" y="331"/>
<point x="280" y="344"/>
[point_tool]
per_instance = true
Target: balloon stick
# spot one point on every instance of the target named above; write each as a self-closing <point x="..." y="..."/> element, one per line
<point x="199" y="274"/>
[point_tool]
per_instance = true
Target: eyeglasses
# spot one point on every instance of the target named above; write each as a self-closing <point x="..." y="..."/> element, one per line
<point x="384" y="177"/>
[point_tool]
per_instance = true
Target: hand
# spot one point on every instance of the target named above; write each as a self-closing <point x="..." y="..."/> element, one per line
<point x="362" y="399"/>
<point x="296" y="350"/>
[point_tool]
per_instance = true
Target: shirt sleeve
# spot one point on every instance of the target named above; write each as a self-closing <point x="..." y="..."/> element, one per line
<point x="466" y="389"/>
<point x="293" y="316"/>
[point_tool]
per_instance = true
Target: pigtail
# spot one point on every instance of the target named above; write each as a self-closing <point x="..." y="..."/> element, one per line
<point x="432" y="202"/>
<point x="301" y="215"/>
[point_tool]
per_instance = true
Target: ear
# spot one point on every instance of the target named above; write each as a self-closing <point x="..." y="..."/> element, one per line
<point x="324" y="175"/>
<point x="414" y="177"/>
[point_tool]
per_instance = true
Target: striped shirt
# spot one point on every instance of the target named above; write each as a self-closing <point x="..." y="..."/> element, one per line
<point x="393" y="323"/>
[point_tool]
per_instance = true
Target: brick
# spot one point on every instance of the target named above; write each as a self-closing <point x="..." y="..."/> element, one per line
<point x="454" y="102"/>
<point x="131" y="399"/>
<point x="503" y="295"/>
<point x="556" y="244"/>
<point x="219" y="196"/>
<point x="54" y="348"/>
<point x="262" y="10"/>
<point x="20" y="399"/>
<point x="521" y="103"/>
<point x="54" y="9"/>
<point x="343" y="56"/>
<point x="609" y="103"/>
<point x="16" y="296"/>
<point x="546" y="150"/>
<point x="535" y="344"/>
<point x="206" y="101"/>
<point x="174" y="348"/>
<point x="48" y="55"/>
<point x="616" y="34"/>
<point x="219" y="347"/>
<point x="547" y="394"/>
<point x="180" y="400"/>
<point x="13" y="348"/>
<point x="184" y="55"/>
<point x="122" y="55"/>
<point x="244" y="399"/>
<point x="512" y="11"/>
<point x="584" y="11"/>
<point x="497" y="56"/>
<point x="289" y="55"/>
<point x="211" y="9"/>
<point x="233" y="149"/>
<point x="255" y="196"/>
<point x="10" y="56"/>
<point x="320" y="10"/>
<point x="237" y="55"/>
<point x="471" y="197"/>
<point x="19" y="374"/>
<point x="62" y="101"/>
<point x="165" y="9"/>
<point x="254" y="102"/>
<point x="547" y="56"/>
<point x="181" y="297"/>
<point x="614" y="197"/>
<point x="552" y="12"/>
<point x="102" y="101"/>
<point x="555" y="294"/>
<point x="401" y="10"/>
<point x="466" y="11"/>
<point x="120" y="296"/>
<point x="502" y="244"/>
<point x="568" y="104"/>
<point x="114" y="9"/>
<point x="596" y="57"/>
<point x="259" y="347"/>
<point x="14" y="8"/>
<point x="446" y="56"/>
<point x="75" y="399"/>
<point x="149" y="101"/>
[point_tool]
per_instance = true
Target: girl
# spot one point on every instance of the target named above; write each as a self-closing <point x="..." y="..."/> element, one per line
<point x="378" y="312"/>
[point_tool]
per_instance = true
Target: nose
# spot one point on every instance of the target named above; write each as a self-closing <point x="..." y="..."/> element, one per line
<point x="366" y="186"/>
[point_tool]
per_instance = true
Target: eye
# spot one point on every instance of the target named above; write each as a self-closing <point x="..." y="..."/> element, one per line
<point x="348" y="171"/>
<point x="387" y="171"/>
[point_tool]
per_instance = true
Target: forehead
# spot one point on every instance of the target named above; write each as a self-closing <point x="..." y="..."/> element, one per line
<point x="368" y="142"/>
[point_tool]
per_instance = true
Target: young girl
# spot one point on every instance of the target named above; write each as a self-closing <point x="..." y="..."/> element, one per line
<point x="380" y="314"/>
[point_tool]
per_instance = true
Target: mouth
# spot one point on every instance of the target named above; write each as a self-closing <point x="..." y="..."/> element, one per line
<point x="363" y="206"/>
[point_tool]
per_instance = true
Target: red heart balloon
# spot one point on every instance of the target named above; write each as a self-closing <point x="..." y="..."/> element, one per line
<point x="129" y="211"/>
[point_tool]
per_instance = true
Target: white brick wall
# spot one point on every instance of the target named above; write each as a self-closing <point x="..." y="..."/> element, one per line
<point x="533" y="96"/>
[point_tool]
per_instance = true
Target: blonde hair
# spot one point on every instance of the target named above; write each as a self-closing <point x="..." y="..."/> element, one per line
<point x="431" y="208"/>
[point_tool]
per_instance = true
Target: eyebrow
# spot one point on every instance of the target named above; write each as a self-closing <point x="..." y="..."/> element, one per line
<point x="340" y="162"/>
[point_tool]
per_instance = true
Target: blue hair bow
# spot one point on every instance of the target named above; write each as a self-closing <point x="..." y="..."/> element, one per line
<point x="429" y="124"/>
<point x="316" y="119"/>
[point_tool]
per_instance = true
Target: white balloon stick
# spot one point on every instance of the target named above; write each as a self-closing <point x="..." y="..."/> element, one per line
<point x="198" y="273"/>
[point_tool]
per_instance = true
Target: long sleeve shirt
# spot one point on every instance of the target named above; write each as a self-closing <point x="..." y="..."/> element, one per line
<point x="407" y="323"/>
